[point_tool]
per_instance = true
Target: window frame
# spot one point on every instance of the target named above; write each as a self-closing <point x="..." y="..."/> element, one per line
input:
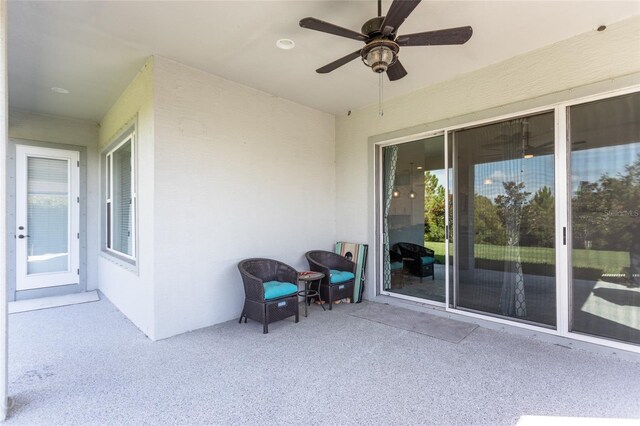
<point x="126" y="136"/>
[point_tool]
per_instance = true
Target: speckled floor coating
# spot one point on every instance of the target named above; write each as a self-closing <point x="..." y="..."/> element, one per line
<point x="87" y="364"/>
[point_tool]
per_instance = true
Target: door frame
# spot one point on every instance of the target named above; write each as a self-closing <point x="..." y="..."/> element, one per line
<point x="562" y="190"/>
<point x="380" y="196"/>
<point x="11" y="241"/>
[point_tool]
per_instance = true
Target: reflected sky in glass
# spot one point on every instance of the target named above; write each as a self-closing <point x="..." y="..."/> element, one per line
<point x="591" y="164"/>
<point x="537" y="172"/>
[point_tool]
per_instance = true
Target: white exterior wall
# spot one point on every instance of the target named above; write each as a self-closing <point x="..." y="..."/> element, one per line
<point x="239" y="173"/>
<point x="45" y="128"/>
<point x="131" y="289"/>
<point x="590" y="63"/>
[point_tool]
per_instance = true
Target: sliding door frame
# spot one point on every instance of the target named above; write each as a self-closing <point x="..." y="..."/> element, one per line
<point x="379" y="148"/>
<point x="567" y="270"/>
<point x="562" y="192"/>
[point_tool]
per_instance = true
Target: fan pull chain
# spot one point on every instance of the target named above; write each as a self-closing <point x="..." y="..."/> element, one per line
<point x="380" y="97"/>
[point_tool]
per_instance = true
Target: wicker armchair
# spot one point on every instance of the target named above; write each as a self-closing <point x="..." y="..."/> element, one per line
<point x="394" y="255"/>
<point x="419" y="259"/>
<point x="273" y="301"/>
<point x="325" y="262"/>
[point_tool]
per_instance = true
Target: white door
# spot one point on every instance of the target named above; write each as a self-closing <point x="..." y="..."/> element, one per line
<point x="47" y="217"/>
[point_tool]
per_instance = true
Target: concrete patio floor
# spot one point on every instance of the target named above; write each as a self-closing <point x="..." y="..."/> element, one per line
<point x="87" y="364"/>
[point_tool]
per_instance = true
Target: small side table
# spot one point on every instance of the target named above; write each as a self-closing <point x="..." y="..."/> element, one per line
<point x="308" y="278"/>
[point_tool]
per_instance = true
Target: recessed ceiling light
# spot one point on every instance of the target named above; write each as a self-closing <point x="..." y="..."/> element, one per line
<point x="419" y="167"/>
<point x="285" y="44"/>
<point x="60" y="90"/>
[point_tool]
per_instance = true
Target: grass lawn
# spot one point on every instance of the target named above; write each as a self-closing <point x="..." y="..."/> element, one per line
<point x="611" y="262"/>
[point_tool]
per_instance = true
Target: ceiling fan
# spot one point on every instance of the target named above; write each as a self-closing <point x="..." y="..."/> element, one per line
<point x="521" y="139"/>
<point x="382" y="42"/>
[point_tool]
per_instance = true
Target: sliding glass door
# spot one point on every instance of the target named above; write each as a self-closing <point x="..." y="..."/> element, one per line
<point x="414" y="219"/>
<point x="605" y="218"/>
<point x="518" y="220"/>
<point x="505" y="219"/>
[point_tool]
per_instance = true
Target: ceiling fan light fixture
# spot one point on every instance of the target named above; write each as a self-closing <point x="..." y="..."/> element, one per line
<point x="379" y="55"/>
<point x="379" y="59"/>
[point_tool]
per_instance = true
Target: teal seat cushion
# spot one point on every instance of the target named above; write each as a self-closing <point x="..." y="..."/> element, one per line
<point x="275" y="289"/>
<point x="396" y="265"/>
<point x="338" y="277"/>
<point x="427" y="260"/>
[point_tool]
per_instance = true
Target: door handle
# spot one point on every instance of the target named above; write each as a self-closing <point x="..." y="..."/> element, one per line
<point x="23" y="236"/>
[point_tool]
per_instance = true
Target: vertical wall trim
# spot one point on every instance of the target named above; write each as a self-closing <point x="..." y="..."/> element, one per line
<point x="4" y="137"/>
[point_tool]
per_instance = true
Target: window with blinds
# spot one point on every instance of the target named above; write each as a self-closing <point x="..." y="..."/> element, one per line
<point x="120" y="198"/>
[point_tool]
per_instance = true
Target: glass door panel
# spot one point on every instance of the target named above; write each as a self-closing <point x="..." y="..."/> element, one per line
<point x="605" y="218"/>
<point x="414" y="219"/>
<point x="505" y="219"/>
<point x="47" y="215"/>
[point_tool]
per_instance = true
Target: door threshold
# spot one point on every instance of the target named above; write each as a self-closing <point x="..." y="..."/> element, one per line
<point x="52" y="302"/>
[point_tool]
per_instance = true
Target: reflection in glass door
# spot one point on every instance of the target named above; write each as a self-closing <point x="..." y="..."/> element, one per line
<point x="505" y="219"/>
<point x="414" y="181"/>
<point x="605" y="218"/>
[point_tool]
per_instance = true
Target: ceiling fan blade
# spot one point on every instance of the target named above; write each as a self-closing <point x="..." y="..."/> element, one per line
<point x="325" y="27"/>
<point x="459" y="35"/>
<point x="396" y="71"/>
<point x="338" y="63"/>
<point x="398" y="12"/>
<point x="552" y="142"/>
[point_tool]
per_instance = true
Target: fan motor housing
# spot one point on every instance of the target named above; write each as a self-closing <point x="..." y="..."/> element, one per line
<point x="372" y="26"/>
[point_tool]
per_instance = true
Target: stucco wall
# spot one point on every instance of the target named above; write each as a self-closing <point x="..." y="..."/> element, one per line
<point x="44" y="128"/>
<point x="590" y="63"/>
<point x="239" y="173"/>
<point x="131" y="289"/>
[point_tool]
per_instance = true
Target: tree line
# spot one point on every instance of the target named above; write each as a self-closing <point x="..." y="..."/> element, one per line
<point x="605" y="213"/>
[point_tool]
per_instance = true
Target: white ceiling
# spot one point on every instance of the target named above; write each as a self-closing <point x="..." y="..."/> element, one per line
<point x="95" y="49"/>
